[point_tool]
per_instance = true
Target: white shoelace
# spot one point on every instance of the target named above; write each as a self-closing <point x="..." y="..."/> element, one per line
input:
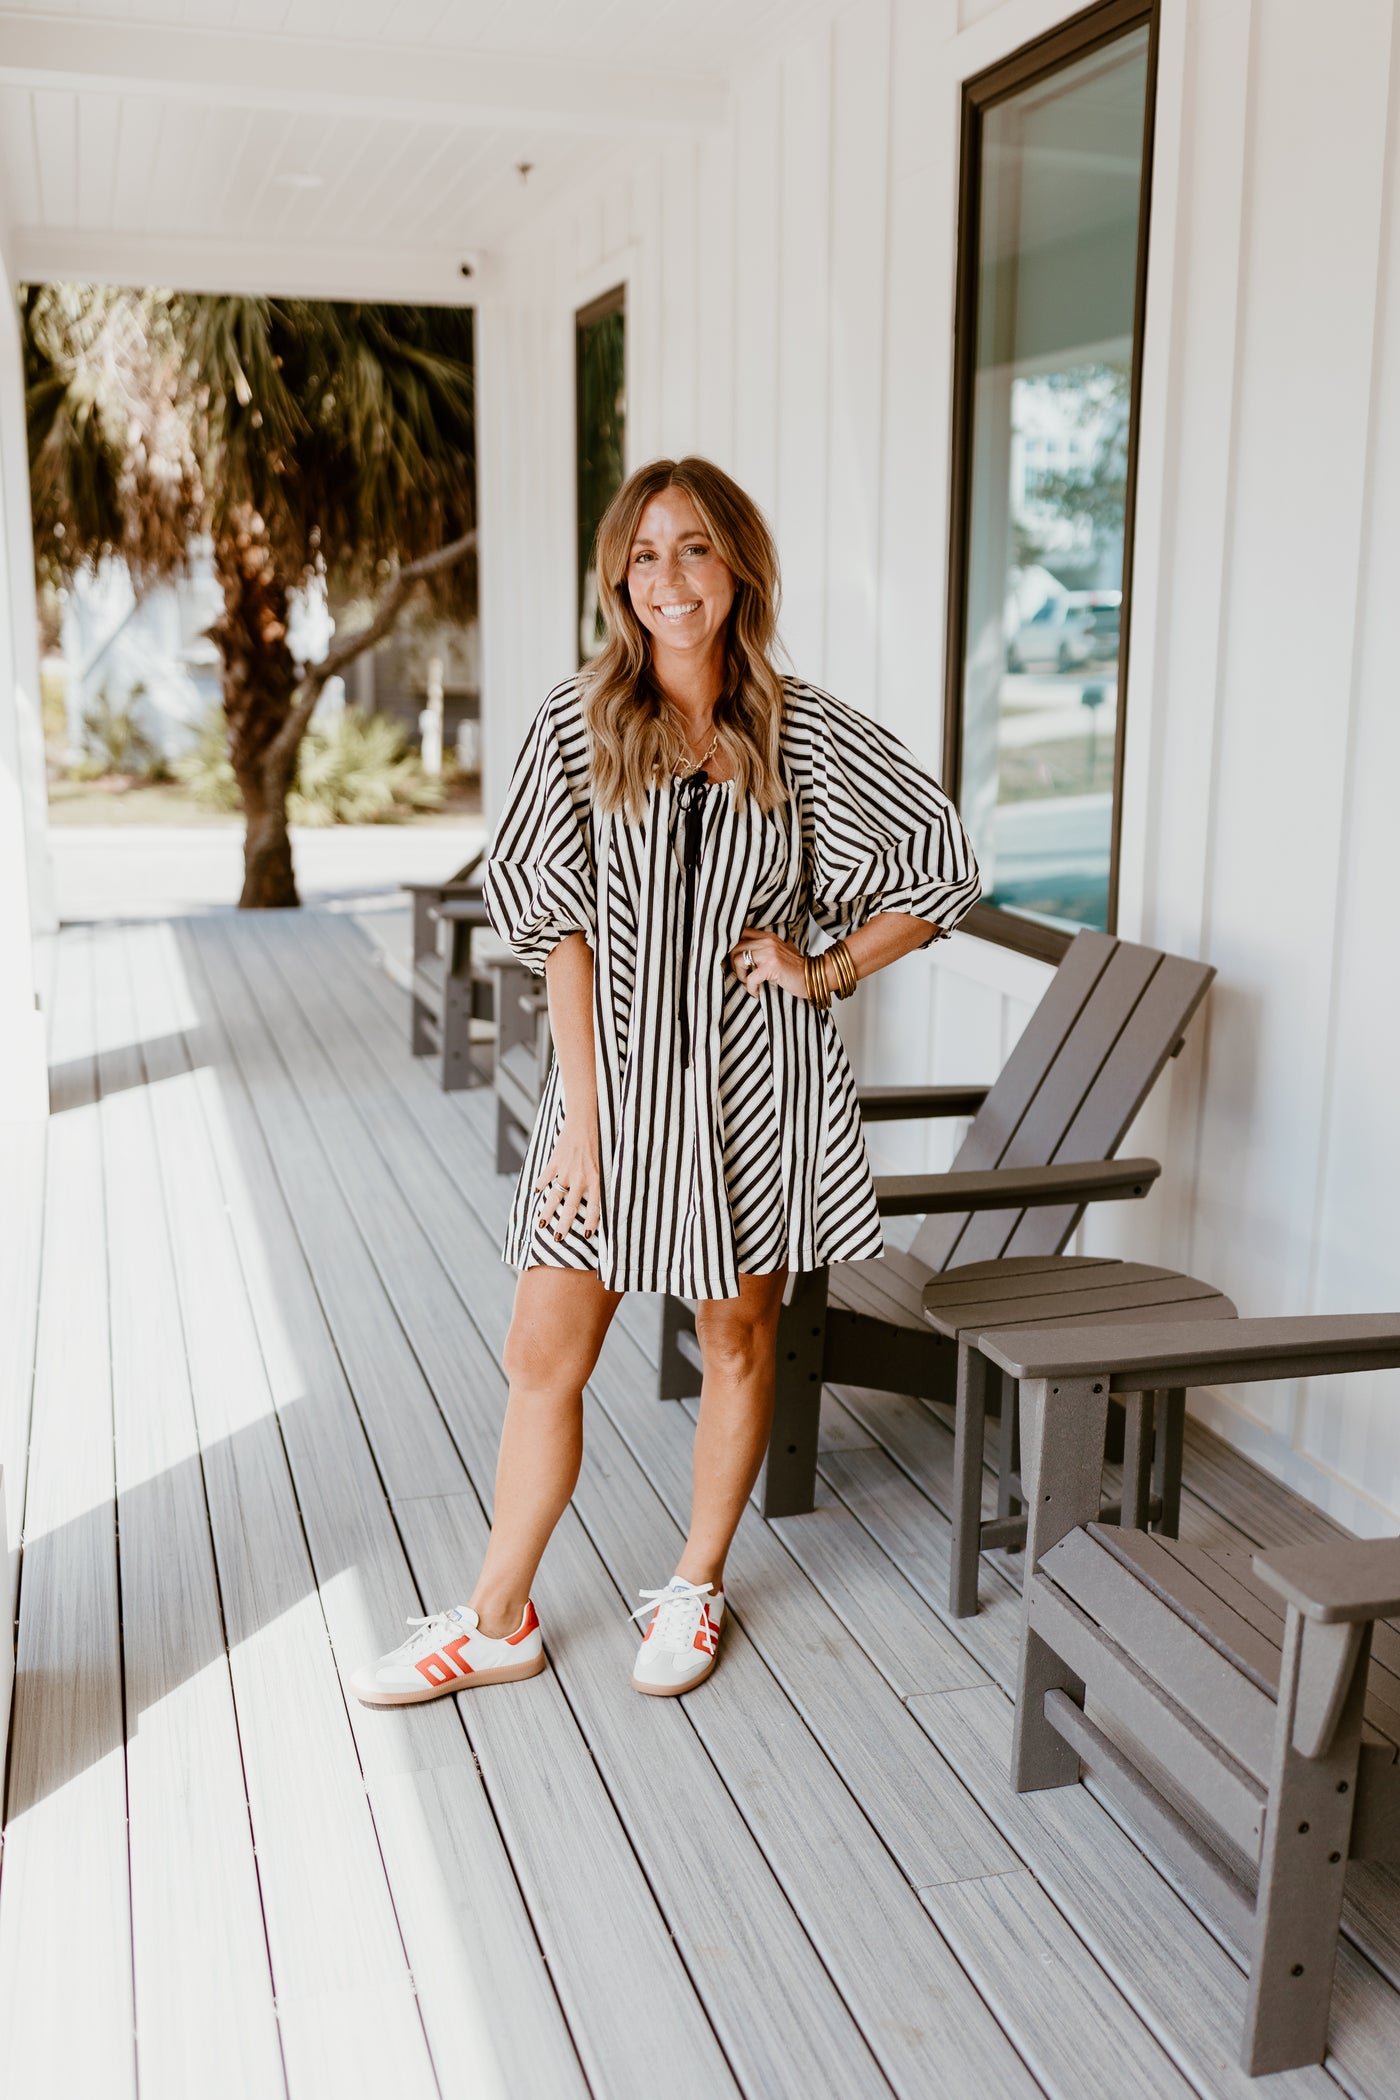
<point x="431" y="1629"/>
<point x="677" y="1612"/>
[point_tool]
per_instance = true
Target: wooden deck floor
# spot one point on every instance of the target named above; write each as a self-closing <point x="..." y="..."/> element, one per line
<point x="265" y="1397"/>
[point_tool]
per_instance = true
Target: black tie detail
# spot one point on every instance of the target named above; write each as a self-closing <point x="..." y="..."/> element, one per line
<point x="689" y="796"/>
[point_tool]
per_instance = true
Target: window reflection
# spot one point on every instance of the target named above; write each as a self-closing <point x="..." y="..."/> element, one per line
<point x="600" y="417"/>
<point x="1057" y="257"/>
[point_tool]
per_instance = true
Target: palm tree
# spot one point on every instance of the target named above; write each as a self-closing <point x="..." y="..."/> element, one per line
<point x="309" y="439"/>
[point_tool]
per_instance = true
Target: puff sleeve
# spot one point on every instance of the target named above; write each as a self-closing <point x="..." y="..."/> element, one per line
<point x="540" y="881"/>
<point x="883" y="835"/>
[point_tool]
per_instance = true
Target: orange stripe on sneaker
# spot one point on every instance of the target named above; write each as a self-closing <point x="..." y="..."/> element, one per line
<point x="528" y="1625"/>
<point x="454" y="1649"/>
<point x="436" y="1668"/>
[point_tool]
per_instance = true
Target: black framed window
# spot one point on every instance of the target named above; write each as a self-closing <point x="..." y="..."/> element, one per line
<point x="1052" y="264"/>
<point x="600" y="420"/>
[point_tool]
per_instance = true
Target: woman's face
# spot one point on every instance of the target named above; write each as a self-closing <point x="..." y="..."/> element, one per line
<point x="680" y="589"/>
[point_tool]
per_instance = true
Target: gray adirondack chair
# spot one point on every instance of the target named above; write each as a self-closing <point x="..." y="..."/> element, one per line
<point x="1040" y="1147"/>
<point x="448" y="993"/>
<point x="1246" y="1709"/>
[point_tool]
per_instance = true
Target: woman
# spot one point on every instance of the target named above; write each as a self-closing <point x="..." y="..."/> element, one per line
<point x="678" y="813"/>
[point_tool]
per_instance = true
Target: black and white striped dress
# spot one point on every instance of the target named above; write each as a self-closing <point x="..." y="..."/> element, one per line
<point x="731" y="1140"/>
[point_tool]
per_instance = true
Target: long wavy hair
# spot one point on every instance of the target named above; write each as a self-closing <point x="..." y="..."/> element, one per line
<point x="635" y="733"/>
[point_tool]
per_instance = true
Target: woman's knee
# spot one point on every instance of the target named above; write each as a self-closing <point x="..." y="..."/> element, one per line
<point x="557" y="1328"/>
<point x="735" y="1343"/>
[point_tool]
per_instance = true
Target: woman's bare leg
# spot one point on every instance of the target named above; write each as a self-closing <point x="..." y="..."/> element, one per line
<point x="738" y="1341"/>
<point x="558" y="1326"/>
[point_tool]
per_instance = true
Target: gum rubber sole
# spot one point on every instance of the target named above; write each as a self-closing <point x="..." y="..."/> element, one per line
<point x="674" y="1691"/>
<point x="508" y="1673"/>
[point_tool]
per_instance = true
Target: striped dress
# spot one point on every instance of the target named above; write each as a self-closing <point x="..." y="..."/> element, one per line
<point x="731" y="1140"/>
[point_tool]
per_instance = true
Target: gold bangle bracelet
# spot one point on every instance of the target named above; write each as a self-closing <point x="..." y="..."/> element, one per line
<point x="845" y="970"/>
<point x="818" y="993"/>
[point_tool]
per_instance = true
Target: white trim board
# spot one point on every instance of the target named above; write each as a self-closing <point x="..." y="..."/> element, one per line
<point x="324" y="76"/>
<point x="433" y="277"/>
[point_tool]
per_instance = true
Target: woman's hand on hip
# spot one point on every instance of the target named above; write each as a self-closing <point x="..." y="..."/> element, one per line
<point x="771" y="961"/>
<point x="572" y="1179"/>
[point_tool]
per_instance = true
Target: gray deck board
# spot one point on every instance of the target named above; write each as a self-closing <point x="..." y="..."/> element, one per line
<point x="1076" y="2031"/>
<point x="67" y="1803"/>
<point x="470" y="1943"/>
<point x="809" y="1879"/>
<point x="576" y="1863"/>
<point x="347" y="2009"/>
<point x="1182" y="1983"/>
<point x="204" y="1989"/>
<point x="871" y="1930"/>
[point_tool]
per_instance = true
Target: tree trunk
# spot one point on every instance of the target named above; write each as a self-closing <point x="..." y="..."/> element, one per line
<point x="260" y="679"/>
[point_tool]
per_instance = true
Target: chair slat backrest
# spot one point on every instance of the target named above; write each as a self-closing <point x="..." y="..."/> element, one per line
<point x="1083" y="1066"/>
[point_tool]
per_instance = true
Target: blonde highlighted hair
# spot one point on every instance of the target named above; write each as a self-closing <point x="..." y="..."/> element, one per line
<point x="635" y="734"/>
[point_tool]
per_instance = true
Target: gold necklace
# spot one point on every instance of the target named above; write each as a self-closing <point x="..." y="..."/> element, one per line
<point x="678" y="774"/>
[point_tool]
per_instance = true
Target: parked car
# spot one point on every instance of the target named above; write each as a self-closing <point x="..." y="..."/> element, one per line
<point x="1066" y="632"/>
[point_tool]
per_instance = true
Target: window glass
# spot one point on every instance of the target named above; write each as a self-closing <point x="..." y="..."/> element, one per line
<point x="1047" y="434"/>
<point x="600" y="374"/>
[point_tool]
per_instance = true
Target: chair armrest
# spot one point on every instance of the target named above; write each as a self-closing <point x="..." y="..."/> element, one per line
<point x="1015" y="1188"/>
<point x="893" y="1104"/>
<point x="468" y="878"/>
<point x="1192" y="1353"/>
<point x="470" y="911"/>
<point x="1339" y="1581"/>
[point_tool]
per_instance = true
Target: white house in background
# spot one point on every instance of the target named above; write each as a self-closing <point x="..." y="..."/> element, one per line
<point x="780" y="200"/>
<point x="146" y="655"/>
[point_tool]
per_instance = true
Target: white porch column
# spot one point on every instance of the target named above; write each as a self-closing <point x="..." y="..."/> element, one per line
<point x="26" y="903"/>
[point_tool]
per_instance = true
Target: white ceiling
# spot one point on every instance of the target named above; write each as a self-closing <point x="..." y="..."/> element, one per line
<point x="334" y="146"/>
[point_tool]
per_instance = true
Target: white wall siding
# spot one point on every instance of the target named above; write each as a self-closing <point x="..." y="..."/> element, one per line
<point x="26" y="892"/>
<point x="790" y="313"/>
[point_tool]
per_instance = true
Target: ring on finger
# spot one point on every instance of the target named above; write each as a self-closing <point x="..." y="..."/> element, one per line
<point x="747" y="958"/>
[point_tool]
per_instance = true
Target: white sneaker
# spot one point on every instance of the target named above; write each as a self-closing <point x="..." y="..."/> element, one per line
<point x="680" y="1646"/>
<point x="448" y="1652"/>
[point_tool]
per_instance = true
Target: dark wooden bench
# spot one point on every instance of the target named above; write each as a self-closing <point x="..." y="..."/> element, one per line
<point x="1243" y="1712"/>
<point x="1040" y="1148"/>
<point x="449" y="988"/>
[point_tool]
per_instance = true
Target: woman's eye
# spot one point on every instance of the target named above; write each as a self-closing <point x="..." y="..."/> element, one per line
<point x="696" y="550"/>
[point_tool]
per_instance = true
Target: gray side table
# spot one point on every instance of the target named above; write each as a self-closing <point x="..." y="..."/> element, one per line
<point x="1037" y="1291"/>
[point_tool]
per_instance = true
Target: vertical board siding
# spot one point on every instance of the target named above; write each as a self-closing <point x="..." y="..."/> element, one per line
<point x="1356" y="1257"/>
<point x="791" y="308"/>
<point x="860" y="191"/>
<point x="715" y="231"/>
<point x="804" y="340"/>
<point x="758" y="236"/>
<point x="677" y="346"/>
<point x="1313" y="204"/>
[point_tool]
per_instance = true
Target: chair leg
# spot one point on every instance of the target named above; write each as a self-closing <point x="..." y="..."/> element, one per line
<point x="1009" y="1449"/>
<point x="1063" y="1427"/>
<point x="1167" y="1460"/>
<point x="1302" y="1868"/>
<point x="1137" y="1459"/>
<point x="424" y="944"/>
<point x="969" y="1431"/>
<point x="677" y="1377"/>
<point x="789" y="1483"/>
<point x="508" y="1152"/>
<point x="457" y="1071"/>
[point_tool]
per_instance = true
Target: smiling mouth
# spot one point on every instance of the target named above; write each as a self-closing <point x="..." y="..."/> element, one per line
<point x="679" y="612"/>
